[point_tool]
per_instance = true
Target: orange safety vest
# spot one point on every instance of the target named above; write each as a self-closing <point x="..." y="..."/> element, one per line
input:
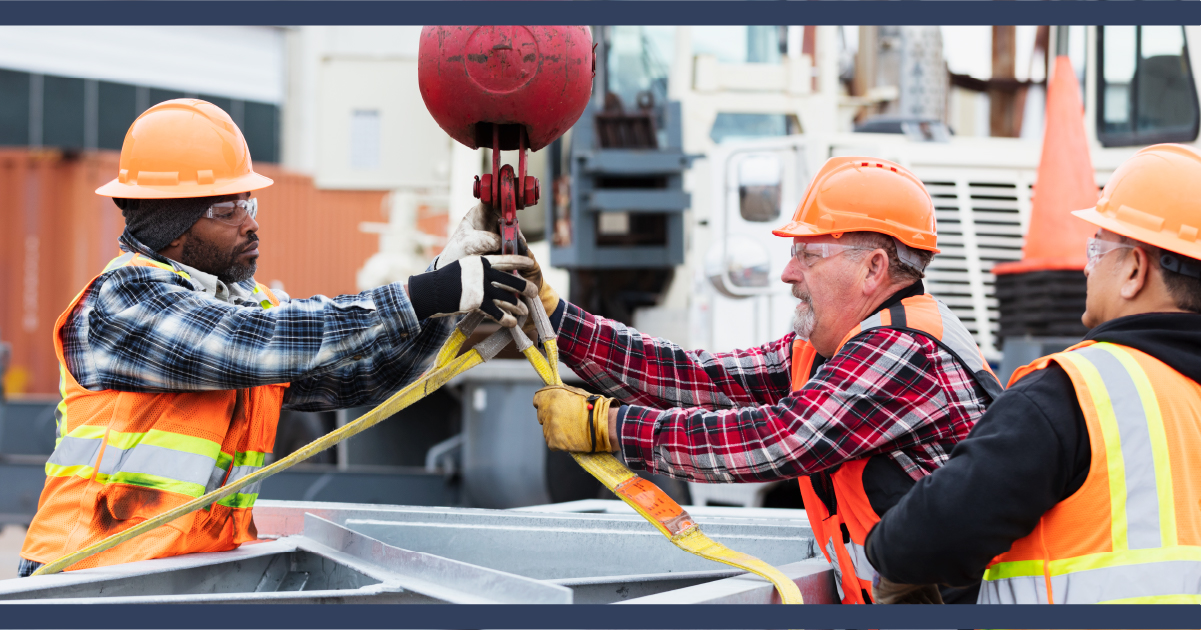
<point x="123" y="457"/>
<point x="843" y="533"/>
<point x="1132" y="533"/>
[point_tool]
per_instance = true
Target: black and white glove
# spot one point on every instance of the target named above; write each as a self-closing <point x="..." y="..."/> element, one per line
<point x="474" y="283"/>
<point x="475" y="236"/>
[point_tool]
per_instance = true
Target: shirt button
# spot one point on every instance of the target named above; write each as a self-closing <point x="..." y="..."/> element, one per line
<point x="358" y="357"/>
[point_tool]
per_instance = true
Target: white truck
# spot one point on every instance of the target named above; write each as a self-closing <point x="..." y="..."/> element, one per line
<point x="1138" y="89"/>
<point x="982" y="187"/>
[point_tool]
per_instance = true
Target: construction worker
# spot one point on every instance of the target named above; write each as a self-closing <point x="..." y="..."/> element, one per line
<point x="1080" y="484"/>
<point x="869" y="393"/>
<point x="175" y="363"/>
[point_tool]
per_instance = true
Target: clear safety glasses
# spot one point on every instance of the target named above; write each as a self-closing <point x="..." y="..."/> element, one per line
<point x="1097" y="249"/>
<point x="809" y="253"/>
<point x="233" y="212"/>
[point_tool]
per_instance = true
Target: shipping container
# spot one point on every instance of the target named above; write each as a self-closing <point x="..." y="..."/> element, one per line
<point x="56" y="234"/>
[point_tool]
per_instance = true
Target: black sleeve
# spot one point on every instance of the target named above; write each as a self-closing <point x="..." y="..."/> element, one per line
<point x="1027" y="453"/>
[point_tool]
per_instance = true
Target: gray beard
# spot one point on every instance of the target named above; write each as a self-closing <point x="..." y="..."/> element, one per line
<point x="803" y="320"/>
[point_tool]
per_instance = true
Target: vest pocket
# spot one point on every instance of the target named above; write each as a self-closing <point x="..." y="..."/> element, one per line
<point x="122" y="506"/>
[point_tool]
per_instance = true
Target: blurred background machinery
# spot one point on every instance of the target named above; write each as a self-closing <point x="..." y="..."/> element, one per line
<point x="656" y="208"/>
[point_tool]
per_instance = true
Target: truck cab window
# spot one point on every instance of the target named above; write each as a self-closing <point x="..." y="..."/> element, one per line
<point x="1146" y="92"/>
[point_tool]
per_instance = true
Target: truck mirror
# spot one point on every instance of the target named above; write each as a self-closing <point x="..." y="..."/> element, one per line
<point x="742" y="270"/>
<point x="759" y="187"/>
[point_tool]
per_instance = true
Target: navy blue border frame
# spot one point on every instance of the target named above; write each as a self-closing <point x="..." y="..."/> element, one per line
<point x="337" y="12"/>
<point x="730" y="617"/>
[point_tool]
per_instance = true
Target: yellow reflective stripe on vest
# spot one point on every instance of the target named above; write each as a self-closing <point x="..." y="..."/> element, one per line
<point x="76" y="453"/>
<point x="244" y="463"/>
<point x="60" y="410"/>
<point x="1136" y="466"/>
<point x="154" y="459"/>
<point x="1147" y="564"/>
<point x="120" y="261"/>
<point x="1150" y="575"/>
<point x="263" y="300"/>
<point x="217" y="478"/>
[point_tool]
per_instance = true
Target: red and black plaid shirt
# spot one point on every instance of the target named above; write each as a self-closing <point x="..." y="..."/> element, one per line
<point x="734" y="417"/>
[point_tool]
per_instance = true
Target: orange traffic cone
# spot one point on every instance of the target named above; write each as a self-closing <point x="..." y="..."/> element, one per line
<point x="1056" y="239"/>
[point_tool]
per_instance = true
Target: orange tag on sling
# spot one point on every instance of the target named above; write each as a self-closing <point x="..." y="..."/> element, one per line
<point x="656" y="503"/>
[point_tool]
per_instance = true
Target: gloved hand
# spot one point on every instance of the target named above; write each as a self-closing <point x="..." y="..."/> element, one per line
<point x="885" y="591"/>
<point x="475" y="236"/>
<point x="573" y="420"/>
<point x="546" y="294"/>
<point x="474" y="283"/>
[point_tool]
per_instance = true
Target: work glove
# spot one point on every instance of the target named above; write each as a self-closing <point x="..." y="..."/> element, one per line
<point x="476" y="236"/>
<point x="474" y="283"/>
<point x="885" y="591"/>
<point x="573" y="420"/>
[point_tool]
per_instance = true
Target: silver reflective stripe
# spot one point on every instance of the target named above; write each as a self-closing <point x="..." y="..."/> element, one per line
<point x="60" y="414"/>
<point x="74" y="451"/>
<point x="252" y="488"/>
<point x="872" y="322"/>
<point x="242" y="471"/>
<point x="832" y="556"/>
<point x="1142" y="496"/>
<point x="956" y="337"/>
<point x="863" y="569"/>
<point x="215" y="479"/>
<point x="148" y="459"/>
<point x="1095" y="586"/>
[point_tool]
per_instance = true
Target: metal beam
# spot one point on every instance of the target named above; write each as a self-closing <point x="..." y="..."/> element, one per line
<point x="815" y="579"/>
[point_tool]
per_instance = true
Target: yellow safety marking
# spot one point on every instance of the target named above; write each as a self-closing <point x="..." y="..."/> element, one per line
<point x="1159" y="443"/>
<point x="653" y="504"/>
<point x="645" y="497"/>
<point x="401" y="399"/>
<point x="450" y="349"/>
<point x="1115" y="465"/>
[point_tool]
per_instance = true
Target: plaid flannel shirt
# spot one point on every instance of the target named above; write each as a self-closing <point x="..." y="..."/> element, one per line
<point x="146" y="329"/>
<point x="733" y="416"/>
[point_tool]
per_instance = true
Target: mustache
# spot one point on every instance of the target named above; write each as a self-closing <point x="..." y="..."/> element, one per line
<point x="801" y="294"/>
<point x="252" y="241"/>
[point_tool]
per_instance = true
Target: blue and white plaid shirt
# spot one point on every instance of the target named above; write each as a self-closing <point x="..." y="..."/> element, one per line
<point x="144" y="329"/>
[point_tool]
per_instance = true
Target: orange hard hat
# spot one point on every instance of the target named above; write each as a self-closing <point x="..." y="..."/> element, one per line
<point x="183" y="148"/>
<point x="1154" y="197"/>
<point x="860" y="194"/>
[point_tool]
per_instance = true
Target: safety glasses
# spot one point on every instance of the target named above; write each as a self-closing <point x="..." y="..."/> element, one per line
<point x="809" y="253"/>
<point x="233" y="212"/>
<point x="1097" y="249"/>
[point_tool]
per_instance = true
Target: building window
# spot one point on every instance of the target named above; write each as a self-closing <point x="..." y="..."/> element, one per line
<point x="69" y="113"/>
<point x="731" y="126"/>
<point x="1145" y="91"/>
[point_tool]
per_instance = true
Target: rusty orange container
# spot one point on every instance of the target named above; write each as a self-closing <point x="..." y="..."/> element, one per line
<point x="56" y="234"/>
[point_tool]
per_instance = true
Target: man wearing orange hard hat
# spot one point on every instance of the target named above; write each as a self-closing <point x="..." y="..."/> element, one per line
<point x="1082" y="483"/>
<point x="175" y="363"/>
<point x="869" y="393"/>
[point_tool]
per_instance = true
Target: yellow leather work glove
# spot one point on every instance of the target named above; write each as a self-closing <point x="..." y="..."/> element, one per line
<point x="573" y="420"/>
<point x="888" y="592"/>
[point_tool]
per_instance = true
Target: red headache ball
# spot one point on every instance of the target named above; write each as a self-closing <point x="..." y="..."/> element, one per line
<point x="539" y="77"/>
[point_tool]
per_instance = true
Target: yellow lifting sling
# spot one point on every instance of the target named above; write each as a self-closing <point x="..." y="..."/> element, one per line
<point x="645" y="497"/>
